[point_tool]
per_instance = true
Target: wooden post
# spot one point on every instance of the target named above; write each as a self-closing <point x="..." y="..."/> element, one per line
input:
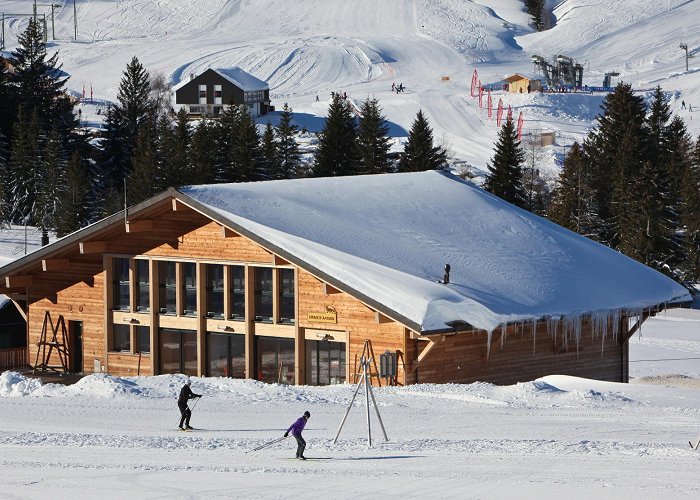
<point x="154" y="301"/>
<point x="107" y="264"/>
<point x="249" y="322"/>
<point x="201" y="319"/>
<point x="299" y="338"/>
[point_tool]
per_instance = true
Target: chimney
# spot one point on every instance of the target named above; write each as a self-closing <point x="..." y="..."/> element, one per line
<point x="191" y="76"/>
<point x="446" y="279"/>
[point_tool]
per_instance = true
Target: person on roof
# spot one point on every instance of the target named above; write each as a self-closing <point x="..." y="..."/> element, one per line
<point x="296" y="429"/>
<point x="185" y="413"/>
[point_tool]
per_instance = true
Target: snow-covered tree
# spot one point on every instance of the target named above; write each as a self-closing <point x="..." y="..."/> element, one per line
<point x="73" y="208"/>
<point x="419" y="152"/>
<point x="270" y="167"/>
<point x="200" y="153"/>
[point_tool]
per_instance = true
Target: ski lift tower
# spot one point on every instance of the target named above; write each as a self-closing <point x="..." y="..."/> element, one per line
<point x="607" y="81"/>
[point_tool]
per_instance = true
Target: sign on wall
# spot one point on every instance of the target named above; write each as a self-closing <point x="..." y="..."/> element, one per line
<point x="330" y="315"/>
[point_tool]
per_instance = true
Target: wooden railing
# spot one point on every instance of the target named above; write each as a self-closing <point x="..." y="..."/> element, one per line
<point x="13" y="358"/>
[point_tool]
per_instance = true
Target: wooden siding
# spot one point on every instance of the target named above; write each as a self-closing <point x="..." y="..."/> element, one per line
<point x="358" y="320"/>
<point x="15" y="357"/>
<point x="81" y="301"/>
<point x="517" y="357"/>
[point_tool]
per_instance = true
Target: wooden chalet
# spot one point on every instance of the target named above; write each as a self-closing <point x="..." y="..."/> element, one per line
<point x="210" y="92"/>
<point x="293" y="281"/>
<point x="522" y="84"/>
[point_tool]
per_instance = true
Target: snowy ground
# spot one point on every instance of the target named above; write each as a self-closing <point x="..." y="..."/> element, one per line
<point x="554" y="437"/>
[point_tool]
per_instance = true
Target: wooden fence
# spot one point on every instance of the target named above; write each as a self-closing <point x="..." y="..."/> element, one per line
<point x="13" y="358"/>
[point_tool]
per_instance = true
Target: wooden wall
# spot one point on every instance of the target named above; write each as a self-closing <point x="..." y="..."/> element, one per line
<point x="519" y="356"/>
<point x="80" y="301"/>
<point x="358" y="320"/>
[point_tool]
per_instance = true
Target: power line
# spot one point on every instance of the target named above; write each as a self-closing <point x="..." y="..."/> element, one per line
<point x="666" y="359"/>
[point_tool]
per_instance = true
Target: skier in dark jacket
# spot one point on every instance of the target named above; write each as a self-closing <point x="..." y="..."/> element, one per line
<point x="185" y="395"/>
<point x="296" y="429"/>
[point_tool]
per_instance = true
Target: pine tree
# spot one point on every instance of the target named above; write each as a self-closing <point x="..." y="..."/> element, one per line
<point x="245" y="155"/>
<point x="73" y="208"/>
<point x="287" y="146"/>
<point x="419" y="153"/>
<point x="37" y="82"/>
<point x="271" y="166"/>
<point x="657" y="123"/>
<point x="25" y="168"/>
<point x="122" y="127"/>
<point x="8" y="105"/>
<point x="505" y="177"/>
<point x="143" y="182"/>
<point x="573" y="201"/>
<point x="201" y="154"/>
<point x="336" y="153"/>
<point x="690" y="218"/>
<point x="372" y="139"/>
<point x="50" y="184"/>
<point x="4" y="175"/>
<point x="617" y="150"/>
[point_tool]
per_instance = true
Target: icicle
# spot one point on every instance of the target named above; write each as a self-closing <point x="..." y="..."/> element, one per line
<point x="503" y="334"/>
<point x="489" y="336"/>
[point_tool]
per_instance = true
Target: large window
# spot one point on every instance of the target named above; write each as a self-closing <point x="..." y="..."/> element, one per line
<point x="274" y="360"/>
<point x="167" y="287"/>
<point x="325" y="362"/>
<point x="120" y="283"/>
<point x="178" y="351"/>
<point x="143" y="286"/>
<point x="226" y="355"/>
<point x="263" y="294"/>
<point x="121" y="338"/>
<point x="286" y="296"/>
<point x="189" y="288"/>
<point x="215" y="290"/>
<point x="238" y="292"/>
<point x="143" y="337"/>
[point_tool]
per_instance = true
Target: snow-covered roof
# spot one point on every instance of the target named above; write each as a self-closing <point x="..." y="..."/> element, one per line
<point x="240" y="78"/>
<point x="388" y="238"/>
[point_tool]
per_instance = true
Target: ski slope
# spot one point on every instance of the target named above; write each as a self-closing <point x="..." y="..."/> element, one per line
<point x="313" y="47"/>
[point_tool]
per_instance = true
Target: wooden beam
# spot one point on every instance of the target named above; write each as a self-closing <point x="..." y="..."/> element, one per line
<point x="330" y="290"/>
<point x="228" y="233"/>
<point x="279" y="261"/>
<point x="87" y="247"/>
<point x="379" y="318"/>
<point x="139" y="226"/>
<point x="174" y="205"/>
<point x="426" y="350"/>
<point x="18" y="281"/>
<point x="48" y="265"/>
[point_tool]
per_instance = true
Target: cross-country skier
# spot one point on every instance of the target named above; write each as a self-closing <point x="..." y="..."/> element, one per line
<point x="296" y="429"/>
<point x="185" y="395"/>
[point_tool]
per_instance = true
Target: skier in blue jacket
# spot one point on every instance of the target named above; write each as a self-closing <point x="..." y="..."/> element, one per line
<point x="296" y="429"/>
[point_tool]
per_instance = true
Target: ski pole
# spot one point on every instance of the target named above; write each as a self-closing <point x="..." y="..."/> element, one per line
<point x="270" y="443"/>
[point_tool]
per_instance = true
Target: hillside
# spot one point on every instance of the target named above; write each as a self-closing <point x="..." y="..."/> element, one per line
<point x="311" y="47"/>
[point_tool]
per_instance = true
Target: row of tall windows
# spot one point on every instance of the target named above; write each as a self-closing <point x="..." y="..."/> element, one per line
<point x="216" y="293"/>
<point x="274" y="357"/>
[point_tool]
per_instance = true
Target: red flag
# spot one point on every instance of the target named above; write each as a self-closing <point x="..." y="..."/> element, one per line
<point x="521" y="120"/>
<point x="499" y="113"/>
<point x="510" y="113"/>
<point x="475" y="79"/>
<point x="481" y="96"/>
<point x="489" y="104"/>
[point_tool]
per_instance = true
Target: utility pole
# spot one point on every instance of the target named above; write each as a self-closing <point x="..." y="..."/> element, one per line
<point x="75" y="20"/>
<point x="684" y="46"/>
<point x="2" y="40"/>
<point x="34" y="11"/>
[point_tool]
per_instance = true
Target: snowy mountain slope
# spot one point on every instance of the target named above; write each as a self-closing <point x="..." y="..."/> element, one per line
<point x="309" y="47"/>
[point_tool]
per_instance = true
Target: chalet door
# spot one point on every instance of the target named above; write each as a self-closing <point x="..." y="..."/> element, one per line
<point x="75" y="348"/>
